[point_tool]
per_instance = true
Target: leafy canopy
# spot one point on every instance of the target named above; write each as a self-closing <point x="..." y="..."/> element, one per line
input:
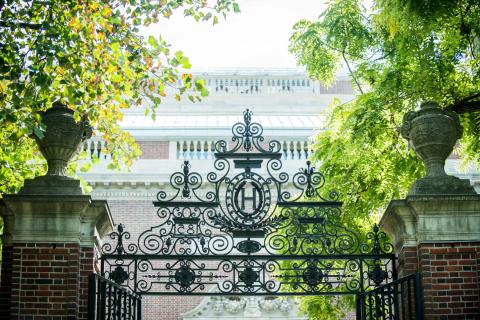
<point x="397" y="56"/>
<point x="89" y="55"/>
<point x="398" y="53"/>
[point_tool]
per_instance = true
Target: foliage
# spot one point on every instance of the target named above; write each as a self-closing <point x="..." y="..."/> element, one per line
<point x="332" y="308"/>
<point x="397" y="53"/>
<point x="89" y="55"/>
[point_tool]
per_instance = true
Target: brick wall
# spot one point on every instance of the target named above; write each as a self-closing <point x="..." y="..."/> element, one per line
<point x="87" y="267"/>
<point x="154" y="149"/>
<point x="451" y="280"/>
<point x="167" y="307"/>
<point x="48" y="281"/>
<point x="407" y="261"/>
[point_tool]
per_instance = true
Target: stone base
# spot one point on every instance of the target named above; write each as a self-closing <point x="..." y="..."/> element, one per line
<point x="52" y="185"/>
<point x="432" y="218"/>
<point x="439" y="236"/>
<point x="441" y="185"/>
<point x="55" y="218"/>
<point x="51" y="244"/>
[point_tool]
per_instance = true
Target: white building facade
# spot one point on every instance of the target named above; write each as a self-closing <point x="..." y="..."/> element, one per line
<point x="290" y="107"/>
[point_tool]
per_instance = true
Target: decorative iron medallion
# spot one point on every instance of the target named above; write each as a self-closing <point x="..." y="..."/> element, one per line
<point x="248" y="198"/>
<point x="248" y="276"/>
<point x="312" y="275"/>
<point x="185" y="276"/>
<point x="119" y="275"/>
<point x="377" y="274"/>
<point x="249" y="246"/>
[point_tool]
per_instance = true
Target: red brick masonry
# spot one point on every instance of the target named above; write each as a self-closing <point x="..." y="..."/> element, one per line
<point x="48" y="281"/>
<point x="450" y="275"/>
<point x="153" y="149"/>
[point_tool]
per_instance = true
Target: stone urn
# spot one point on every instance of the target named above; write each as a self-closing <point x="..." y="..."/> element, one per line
<point x="433" y="132"/>
<point x="61" y="141"/>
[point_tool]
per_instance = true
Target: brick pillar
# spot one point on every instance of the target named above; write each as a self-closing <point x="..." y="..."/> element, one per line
<point x="5" y="281"/>
<point x="439" y="236"/>
<point x="52" y="242"/>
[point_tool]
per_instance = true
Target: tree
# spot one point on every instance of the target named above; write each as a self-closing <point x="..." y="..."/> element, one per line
<point x="89" y="55"/>
<point x="398" y="53"/>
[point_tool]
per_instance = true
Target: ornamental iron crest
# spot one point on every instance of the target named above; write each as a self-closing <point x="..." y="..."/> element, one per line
<point x="248" y="227"/>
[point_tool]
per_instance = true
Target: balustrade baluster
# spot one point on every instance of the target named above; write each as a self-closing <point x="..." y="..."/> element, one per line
<point x="211" y="145"/>
<point x="191" y="149"/>
<point x="92" y="148"/>
<point x="86" y="148"/>
<point x="292" y="150"/>
<point x="204" y="150"/>
<point x="102" y="150"/>
<point x="184" y="150"/>
<point x="305" y="149"/>
<point x="284" y="150"/>
<point x="179" y="150"/>
<point x="198" y="150"/>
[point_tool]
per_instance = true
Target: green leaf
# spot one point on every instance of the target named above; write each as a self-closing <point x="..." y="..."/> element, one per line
<point x="38" y="132"/>
<point x="117" y="78"/>
<point x="199" y="84"/>
<point x="152" y="41"/>
<point x="185" y="63"/>
<point x="85" y="167"/>
<point x="115" y="46"/>
<point x="236" y="8"/>
<point x="179" y="55"/>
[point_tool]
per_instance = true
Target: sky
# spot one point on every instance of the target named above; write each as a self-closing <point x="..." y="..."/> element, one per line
<point x="256" y="37"/>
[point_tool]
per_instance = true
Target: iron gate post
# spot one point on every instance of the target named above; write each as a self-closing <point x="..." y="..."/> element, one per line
<point x="92" y="292"/>
<point x="103" y="292"/>
<point x="360" y="302"/>
<point x="139" y="309"/>
<point x="418" y="297"/>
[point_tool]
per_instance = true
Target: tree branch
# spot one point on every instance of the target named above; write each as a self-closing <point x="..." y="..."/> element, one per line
<point x="34" y="26"/>
<point x="351" y="72"/>
<point x="466" y="105"/>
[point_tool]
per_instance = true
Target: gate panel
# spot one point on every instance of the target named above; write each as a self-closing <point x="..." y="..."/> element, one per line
<point x="249" y="228"/>
<point x="249" y="275"/>
<point x="399" y="300"/>
<point x="108" y="300"/>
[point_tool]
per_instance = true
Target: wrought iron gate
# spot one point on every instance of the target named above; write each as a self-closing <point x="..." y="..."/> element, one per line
<point x="241" y="230"/>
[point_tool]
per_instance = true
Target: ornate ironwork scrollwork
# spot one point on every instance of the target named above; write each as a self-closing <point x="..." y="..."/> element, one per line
<point x="312" y="275"/>
<point x="247" y="137"/>
<point x="119" y="248"/>
<point x="377" y="242"/>
<point x="243" y="231"/>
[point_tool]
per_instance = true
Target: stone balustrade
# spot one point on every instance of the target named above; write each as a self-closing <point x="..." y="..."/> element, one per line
<point x="204" y="149"/>
<point x="198" y="149"/>
<point x="95" y="147"/>
<point x="265" y="85"/>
